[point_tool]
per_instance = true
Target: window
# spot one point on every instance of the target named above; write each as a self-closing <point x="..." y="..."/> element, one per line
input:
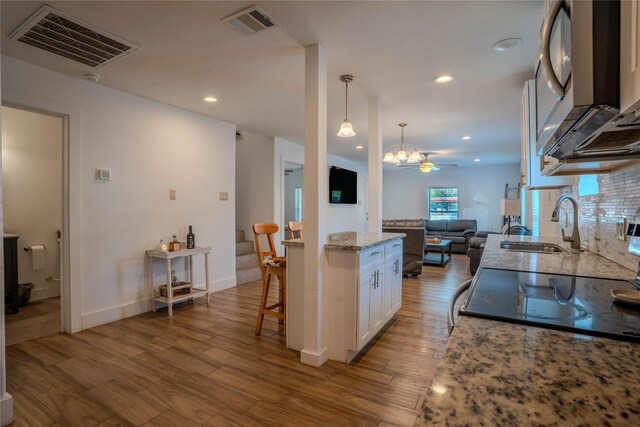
<point x="443" y="203"/>
<point x="588" y="185"/>
<point x="535" y="213"/>
<point x="297" y="203"/>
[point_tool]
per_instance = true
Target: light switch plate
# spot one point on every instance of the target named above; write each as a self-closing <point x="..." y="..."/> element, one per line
<point x="172" y="194"/>
<point x="224" y="195"/>
<point x="621" y="228"/>
<point x="103" y="174"/>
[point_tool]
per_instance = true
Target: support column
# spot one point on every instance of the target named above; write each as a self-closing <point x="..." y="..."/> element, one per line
<point x="6" y="401"/>
<point x="374" y="190"/>
<point x="316" y="202"/>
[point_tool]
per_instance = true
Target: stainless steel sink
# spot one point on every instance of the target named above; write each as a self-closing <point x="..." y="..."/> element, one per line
<point x="534" y="247"/>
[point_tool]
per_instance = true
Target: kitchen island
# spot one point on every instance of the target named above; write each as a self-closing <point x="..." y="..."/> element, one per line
<point x="504" y="374"/>
<point x="362" y="289"/>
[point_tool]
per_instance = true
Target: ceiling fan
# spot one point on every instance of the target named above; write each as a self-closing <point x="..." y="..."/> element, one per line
<point x="425" y="165"/>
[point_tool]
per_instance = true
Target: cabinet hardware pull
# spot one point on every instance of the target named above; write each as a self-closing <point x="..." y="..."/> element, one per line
<point x="374" y="253"/>
<point x="396" y="245"/>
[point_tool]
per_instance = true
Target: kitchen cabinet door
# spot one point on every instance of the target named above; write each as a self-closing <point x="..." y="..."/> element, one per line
<point x="376" y="310"/>
<point x="369" y="305"/>
<point x="396" y="293"/>
<point x="629" y="56"/>
<point x="389" y="277"/>
<point x="533" y="167"/>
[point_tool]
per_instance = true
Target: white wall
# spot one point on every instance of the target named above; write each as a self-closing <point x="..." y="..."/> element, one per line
<point x="480" y="190"/>
<point x="254" y="188"/>
<point x="151" y="148"/>
<point x="340" y="217"/>
<point x="32" y="177"/>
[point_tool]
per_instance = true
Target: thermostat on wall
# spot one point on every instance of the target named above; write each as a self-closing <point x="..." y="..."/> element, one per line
<point x="103" y="174"/>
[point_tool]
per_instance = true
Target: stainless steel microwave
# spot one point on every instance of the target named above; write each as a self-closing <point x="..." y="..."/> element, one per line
<point x="577" y="75"/>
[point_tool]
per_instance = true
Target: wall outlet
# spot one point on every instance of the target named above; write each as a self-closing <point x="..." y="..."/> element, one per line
<point x="621" y="228"/>
<point x="224" y="196"/>
<point x="172" y="194"/>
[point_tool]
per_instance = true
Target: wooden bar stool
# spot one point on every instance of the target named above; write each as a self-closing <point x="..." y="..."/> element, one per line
<point x="295" y="227"/>
<point x="270" y="265"/>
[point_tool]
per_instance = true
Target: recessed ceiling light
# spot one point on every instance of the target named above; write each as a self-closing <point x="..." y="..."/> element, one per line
<point x="443" y="79"/>
<point x="507" y="44"/>
<point x="466" y="138"/>
<point x="476" y="160"/>
<point x="359" y="147"/>
<point x="210" y="99"/>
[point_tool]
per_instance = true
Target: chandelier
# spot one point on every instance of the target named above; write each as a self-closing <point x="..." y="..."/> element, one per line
<point x="402" y="153"/>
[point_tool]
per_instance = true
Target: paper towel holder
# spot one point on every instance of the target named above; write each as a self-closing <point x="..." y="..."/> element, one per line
<point x="29" y="248"/>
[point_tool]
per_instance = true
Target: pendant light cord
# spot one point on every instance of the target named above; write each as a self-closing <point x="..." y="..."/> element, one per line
<point x="346" y="101"/>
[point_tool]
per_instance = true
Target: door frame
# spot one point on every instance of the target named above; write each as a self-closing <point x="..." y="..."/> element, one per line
<point x="71" y="242"/>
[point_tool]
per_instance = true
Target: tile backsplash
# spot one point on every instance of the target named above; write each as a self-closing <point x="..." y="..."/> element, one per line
<point x="618" y="196"/>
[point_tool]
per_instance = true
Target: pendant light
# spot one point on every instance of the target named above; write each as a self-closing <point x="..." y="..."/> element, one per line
<point x="402" y="153"/>
<point x="346" y="130"/>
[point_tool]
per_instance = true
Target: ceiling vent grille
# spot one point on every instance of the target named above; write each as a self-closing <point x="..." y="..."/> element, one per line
<point x="55" y="32"/>
<point x="251" y="20"/>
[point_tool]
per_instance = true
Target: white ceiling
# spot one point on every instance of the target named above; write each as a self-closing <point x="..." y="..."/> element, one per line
<point x="394" y="49"/>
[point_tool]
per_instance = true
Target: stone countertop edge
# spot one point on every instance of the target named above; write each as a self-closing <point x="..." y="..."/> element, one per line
<point x="571" y="263"/>
<point x="352" y="241"/>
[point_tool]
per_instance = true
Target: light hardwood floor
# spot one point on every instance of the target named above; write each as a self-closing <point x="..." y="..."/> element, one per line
<point x="37" y="319"/>
<point x="206" y="367"/>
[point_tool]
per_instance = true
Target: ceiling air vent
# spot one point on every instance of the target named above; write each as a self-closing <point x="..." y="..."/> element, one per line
<point x="251" y="20"/>
<point x="55" y="32"/>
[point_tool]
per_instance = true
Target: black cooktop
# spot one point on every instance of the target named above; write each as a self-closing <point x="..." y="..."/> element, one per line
<point x="570" y="303"/>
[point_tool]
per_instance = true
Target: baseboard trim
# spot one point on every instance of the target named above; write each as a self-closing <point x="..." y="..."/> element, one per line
<point x="6" y="409"/>
<point x="111" y="314"/>
<point x="44" y="293"/>
<point x="314" y="359"/>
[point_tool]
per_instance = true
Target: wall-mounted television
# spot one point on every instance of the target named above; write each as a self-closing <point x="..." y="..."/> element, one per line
<point x="343" y="186"/>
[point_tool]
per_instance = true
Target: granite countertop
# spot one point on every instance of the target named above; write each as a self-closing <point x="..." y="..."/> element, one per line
<point x="294" y="242"/>
<point x="572" y="263"/>
<point x="352" y="241"/>
<point x="504" y="374"/>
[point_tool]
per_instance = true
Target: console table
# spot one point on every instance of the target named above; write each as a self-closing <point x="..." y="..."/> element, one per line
<point x="170" y="299"/>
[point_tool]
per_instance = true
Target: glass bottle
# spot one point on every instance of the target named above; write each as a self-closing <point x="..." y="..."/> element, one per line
<point x="174" y="245"/>
<point x="191" y="239"/>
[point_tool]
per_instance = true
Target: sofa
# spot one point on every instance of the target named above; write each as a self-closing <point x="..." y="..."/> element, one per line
<point x="414" y="244"/>
<point x="459" y="231"/>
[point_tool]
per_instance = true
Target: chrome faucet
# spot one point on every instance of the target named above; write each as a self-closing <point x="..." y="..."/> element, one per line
<point x="555" y="217"/>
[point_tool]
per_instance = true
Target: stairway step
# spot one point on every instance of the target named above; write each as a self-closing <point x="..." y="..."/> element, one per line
<point x="243" y="248"/>
<point x="246" y="260"/>
<point x="247" y="274"/>
<point x="239" y="235"/>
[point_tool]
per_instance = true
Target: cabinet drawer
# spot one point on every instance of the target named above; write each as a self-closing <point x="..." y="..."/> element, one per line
<point x="371" y="258"/>
<point x="393" y="249"/>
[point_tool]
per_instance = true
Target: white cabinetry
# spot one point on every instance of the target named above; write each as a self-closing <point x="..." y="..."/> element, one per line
<point x="629" y="56"/>
<point x="532" y="166"/>
<point x="365" y="291"/>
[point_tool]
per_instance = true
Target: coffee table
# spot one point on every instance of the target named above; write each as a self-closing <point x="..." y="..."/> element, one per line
<point x="434" y="259"/>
